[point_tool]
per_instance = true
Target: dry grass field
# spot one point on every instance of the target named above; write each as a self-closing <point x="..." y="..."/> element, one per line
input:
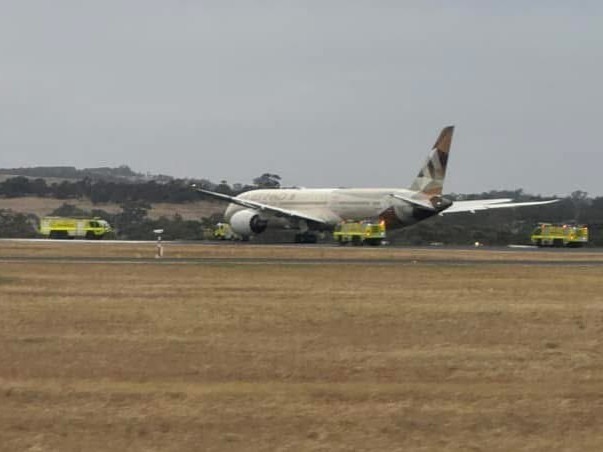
<point x="44" y="206"/>
<point x="162" y="356"/>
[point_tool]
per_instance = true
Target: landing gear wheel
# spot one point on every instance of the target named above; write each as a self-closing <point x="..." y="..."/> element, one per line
<point x="305" y="237"/>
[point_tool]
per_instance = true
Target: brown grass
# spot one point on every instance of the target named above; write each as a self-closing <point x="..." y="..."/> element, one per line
<point x="45" y="206"/>
<point x="154" y="357"/>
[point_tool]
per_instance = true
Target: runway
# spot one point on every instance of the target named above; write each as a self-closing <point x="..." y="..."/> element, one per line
<point x="212" y="253"/>
<point x="211" y="243"/>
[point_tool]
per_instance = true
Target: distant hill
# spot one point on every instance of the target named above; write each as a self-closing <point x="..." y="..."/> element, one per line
<point x="121" y="173"/>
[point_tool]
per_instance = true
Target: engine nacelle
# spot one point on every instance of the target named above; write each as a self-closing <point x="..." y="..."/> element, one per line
<point x="247" y="222"/>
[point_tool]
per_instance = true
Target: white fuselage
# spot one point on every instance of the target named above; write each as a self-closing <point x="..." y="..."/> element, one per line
<point x="332" y="204"/>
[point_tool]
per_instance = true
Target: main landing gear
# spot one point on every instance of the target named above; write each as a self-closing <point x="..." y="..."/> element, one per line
<point x="305" y="237"/>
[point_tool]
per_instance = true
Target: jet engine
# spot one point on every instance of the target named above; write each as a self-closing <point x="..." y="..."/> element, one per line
<point x="247" y="222"/>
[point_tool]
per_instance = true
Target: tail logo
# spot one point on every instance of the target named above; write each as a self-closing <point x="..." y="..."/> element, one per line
<point x="430" y="179"/>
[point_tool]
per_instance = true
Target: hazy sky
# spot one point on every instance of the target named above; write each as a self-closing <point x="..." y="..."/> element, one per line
<point x="324" y="92"/>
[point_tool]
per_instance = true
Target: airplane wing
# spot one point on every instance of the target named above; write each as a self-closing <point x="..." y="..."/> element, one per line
<point x="277" y="211"/>
<point x="487" y="204"/>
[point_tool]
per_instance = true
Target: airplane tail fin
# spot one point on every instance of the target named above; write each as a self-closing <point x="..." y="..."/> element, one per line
<point x="430" y="179"/>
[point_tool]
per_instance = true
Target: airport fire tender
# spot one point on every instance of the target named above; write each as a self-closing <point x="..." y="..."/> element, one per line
<point x="359" y="233"/>
<point x="560" y="235"/>
<point x="223" y="231"/>
<point x="70" y="228"/>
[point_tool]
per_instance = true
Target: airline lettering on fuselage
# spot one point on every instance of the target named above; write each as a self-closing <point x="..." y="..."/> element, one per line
<point x="281" y="196"/>
<point x="272" y="197"/>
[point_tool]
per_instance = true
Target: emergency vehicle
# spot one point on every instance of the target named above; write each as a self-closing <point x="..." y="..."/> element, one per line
<point x="70" y="228"/>
<point x="223" y="231"/>
<point x="560" y="235"/>
<point x="359" y="233"/>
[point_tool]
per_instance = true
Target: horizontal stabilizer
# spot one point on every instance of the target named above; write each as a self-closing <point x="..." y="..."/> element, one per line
<point x="418" y="199"/>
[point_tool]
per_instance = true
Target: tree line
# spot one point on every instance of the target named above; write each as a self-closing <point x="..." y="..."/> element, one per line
<point x="134" y="199"/>
<point x="110" y="191"/>
<point x="131" y="223"/>
<point x="507" y="226"/>
<point x="122" y="172"/>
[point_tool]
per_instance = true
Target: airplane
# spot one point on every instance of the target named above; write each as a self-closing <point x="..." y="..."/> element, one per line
<point x="312" y="210"/>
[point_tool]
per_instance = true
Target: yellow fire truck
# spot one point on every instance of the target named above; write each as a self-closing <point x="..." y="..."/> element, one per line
<point x="560" y="235"/>
<point x="223" y="231"/>
<point x="69" y="228"/>
<point x="359" y="233"/>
